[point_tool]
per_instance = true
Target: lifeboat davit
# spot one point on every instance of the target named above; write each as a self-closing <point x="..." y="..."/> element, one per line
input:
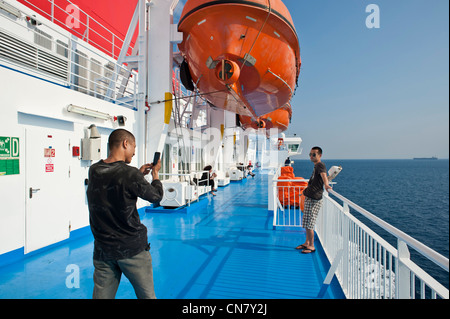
<point x="278" y="119"/>
<point x="243" y="56"/>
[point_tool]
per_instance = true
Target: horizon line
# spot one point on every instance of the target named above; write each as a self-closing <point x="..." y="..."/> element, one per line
<point x="370" y="159"/>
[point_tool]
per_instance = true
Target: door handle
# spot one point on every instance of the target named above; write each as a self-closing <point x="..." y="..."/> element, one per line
<point x="33" y="190"/>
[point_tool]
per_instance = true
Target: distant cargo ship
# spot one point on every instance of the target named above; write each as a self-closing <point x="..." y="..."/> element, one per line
<point x="425" y="158"/>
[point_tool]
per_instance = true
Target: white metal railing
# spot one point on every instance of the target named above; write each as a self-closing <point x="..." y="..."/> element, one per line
<point x="111" y="42"/>
<point x="65" y="59"/>
<point x="382" y="270"/>
<point x="366" y="265"/>
<point x="288" y="202"/>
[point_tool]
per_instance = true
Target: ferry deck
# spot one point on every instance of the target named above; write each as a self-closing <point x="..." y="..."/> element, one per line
<point x="221" y="247"/>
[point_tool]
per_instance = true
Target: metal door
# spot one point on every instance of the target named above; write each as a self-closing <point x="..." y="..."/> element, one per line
<point x="47" y="172"/>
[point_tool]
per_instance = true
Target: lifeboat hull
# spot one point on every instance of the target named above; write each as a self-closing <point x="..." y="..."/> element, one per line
<point x="259" y="39"/>
<point x="278" y="119"/>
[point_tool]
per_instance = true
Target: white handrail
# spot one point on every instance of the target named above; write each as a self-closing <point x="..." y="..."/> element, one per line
<point x="94" y="81"/>
<point x="420" y="247"/>
<point x="88" y="17"/>
<point x="289" y="180"/>
<point x="187" y="175"/>
<point x="371" y="267"/>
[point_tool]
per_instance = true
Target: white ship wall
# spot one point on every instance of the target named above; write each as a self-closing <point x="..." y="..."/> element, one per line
<point x="30" y="104"/>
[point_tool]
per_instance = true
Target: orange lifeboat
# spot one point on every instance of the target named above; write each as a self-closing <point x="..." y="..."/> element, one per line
<point x="291" y="193"/>
<point x="244" y="56"/>
<point x="278" y="119"/>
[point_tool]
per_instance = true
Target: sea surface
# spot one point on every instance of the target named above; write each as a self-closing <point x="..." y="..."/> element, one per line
<point x="411" y="195"/>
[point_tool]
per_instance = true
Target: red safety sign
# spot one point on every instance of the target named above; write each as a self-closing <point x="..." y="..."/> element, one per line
<point x="49" y="152"/>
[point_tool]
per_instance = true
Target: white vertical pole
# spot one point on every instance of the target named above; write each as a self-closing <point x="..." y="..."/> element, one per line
<point x="403" y="281"/>
<point x="230" y="124"/>
<point x="275" y="206"/>
<point x="142" y="83"/>
<point x="214" y="138"/>
<point x="123" y="51"/>
<point x="345" y="242"/>
<point x="159" y="68"/>
<point x="271" y="206"/>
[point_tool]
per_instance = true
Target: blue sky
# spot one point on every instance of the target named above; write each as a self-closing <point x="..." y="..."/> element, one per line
<point x="372" y="93"/>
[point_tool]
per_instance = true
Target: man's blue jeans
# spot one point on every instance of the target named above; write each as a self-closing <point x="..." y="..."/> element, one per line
<point x="138" y="269"/>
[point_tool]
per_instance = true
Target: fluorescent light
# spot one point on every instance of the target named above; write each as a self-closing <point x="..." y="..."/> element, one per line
<point x="10" y="9"/>
<point x="88" y="112"/>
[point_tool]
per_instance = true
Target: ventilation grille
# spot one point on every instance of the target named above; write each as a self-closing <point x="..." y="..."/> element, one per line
<point x="43" y="39"/>
<point x="28" y="55"/>
<point x="81" y="71"/>
<point x="62" y="48"/>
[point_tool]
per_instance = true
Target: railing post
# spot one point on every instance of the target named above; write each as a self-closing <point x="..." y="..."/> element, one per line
<point x="87" y="29"/>
<point x="345" y="243"/>
<point x="274" y="204"/>
<point x="270" y="178"/>
<point x="72" y="62"/>
<point x="403" y="276"/>
<point x="320" y="223"/>
<point x="53" y="10"/>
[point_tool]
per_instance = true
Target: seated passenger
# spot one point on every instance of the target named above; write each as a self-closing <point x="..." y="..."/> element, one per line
<point x="208" y="179"/>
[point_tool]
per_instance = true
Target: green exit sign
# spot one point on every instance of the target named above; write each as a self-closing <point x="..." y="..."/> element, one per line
<point x="9" y="147"/>
<point x="9" y="155"/>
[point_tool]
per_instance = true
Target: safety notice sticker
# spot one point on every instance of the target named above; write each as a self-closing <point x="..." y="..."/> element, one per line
<point x="49" y="168"/>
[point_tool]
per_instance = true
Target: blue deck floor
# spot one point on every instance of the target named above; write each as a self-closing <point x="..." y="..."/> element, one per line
<point x="224" y="247"/>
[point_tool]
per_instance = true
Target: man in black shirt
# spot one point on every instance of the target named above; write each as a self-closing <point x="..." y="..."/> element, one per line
<point x="121" y="244"/>
<point x="313" y="198"/>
